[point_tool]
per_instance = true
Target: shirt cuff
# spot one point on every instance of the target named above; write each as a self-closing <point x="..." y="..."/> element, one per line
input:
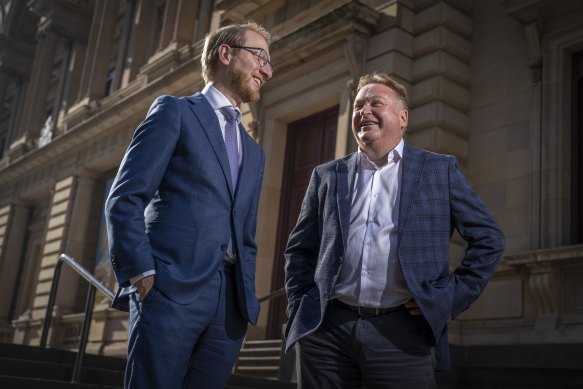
<point x="138" y="277"/>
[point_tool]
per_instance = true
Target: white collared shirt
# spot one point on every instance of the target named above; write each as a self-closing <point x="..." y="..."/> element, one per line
<point x="218" y="101"/>
<point x="371" y="274"/>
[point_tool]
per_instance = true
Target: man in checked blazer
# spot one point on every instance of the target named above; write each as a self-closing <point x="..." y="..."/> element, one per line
<point x="181" y="219"/>
<point x="367" y="272"/>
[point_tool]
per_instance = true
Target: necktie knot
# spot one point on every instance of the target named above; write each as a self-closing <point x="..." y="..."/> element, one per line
<point x="230" y="114"/>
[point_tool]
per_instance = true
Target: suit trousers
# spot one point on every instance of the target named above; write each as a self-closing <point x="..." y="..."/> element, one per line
<point x="372" y="352"/>
<point x="185" y="346"/>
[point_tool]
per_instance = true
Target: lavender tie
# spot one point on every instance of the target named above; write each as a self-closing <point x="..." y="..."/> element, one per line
<point x="231" y="143"/>
<point x="233" y="155"/>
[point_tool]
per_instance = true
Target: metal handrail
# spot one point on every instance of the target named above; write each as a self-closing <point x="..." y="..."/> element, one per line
<point x="93" y="284"/>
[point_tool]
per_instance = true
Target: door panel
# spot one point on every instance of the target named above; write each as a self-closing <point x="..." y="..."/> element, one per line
<point x="310" y="142"/>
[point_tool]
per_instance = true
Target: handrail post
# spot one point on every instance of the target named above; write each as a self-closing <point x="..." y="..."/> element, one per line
<point x="93" y="285"/>
<point x="51" y="303"/>
<point x="84" y="334"/>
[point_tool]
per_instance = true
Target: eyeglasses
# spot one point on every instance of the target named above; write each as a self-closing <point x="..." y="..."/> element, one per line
<point x="259" y="53"/>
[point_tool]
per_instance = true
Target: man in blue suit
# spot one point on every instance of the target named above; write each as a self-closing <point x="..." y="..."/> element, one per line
<point x="367" y="269"/>
<point x="181" y="219"/>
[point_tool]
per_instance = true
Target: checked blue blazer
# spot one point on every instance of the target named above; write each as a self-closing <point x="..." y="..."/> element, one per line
<point x="435" y="199"/>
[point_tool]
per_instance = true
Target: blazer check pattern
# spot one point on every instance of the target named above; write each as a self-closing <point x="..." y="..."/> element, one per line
<point x="435" y="200"/>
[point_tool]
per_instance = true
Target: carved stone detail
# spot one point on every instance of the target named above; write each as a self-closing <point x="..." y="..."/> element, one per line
<point x="543" y="285"/>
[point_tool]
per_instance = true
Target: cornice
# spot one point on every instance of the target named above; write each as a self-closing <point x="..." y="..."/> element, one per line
<point x="545" y="256"/>
<point x="296" y="40"/>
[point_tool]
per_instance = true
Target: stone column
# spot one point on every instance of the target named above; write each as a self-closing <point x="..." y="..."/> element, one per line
<point x="13" y="223"/>
<point x="142" y="21"/>
<point x="66" y="233"/>
<point x="440" y="80"/>
<point x="78" y="51"/>
<point x="34" y="104"/>
<point x="95" y="67"/>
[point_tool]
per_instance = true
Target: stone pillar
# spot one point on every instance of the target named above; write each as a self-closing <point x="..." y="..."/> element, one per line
<point x="66" y="233"/>
<point x="34" y="104"/>
<point x="78" y="51"/>
<point x="13" y="223"/>
<point x="440" y="80"/>
<point x="355" y="47"/>
<point x="137" y="53"/>
<point x="95" y="67"/>
<point x="180" y="23"/>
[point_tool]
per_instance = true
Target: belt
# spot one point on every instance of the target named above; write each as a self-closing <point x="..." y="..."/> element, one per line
<point x="367" y="311"/>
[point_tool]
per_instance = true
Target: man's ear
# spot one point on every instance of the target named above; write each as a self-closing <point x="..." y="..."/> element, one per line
<point x="404" y="118"/>
<point x="225" y="54"/>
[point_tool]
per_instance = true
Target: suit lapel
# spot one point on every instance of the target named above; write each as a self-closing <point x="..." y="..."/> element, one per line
<point x="345" y="174"/>
<point x="210" y="124"/>
<point x="412" y="169"/>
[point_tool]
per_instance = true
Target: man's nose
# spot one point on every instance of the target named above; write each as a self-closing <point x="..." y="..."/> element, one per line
<point x="365" y="110"/>
<point x="266" y="71"/>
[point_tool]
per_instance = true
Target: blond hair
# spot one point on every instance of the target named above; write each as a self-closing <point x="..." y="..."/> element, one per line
<point x="233" y="34"/>
<point x="385" y="79"/>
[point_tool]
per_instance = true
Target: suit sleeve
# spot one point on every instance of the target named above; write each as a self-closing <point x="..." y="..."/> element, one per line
<point x="250" y="226"/>
<point x="476" y="225"/>
<point x="137" y="180"/>
<point x="303" y="247"/>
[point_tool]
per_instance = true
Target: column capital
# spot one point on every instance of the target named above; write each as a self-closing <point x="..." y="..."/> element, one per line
<point x="64" y="17"/>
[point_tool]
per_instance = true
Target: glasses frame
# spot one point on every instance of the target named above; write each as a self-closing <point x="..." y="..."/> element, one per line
<point x="261" y="61"/>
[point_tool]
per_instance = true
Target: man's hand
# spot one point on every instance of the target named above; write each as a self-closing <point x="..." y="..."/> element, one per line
<point x="144" y="285"/>
<point x="413" y="308"/>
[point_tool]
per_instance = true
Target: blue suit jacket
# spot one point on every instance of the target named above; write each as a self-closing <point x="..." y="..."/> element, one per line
<point x="171" y="207"/>
<point x="435" y="199"/>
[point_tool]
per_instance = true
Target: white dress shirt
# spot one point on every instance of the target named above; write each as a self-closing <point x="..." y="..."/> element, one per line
<point x="371" y="274"/>
<point x="218" y="101"/>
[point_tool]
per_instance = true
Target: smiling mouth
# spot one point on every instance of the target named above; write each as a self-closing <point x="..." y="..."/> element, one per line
<point x="366" y="124"/>
<point x="258" y="81"/>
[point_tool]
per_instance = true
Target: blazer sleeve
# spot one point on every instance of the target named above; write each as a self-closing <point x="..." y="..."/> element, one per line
<point x="250" y="225"/>
<point x="137" y="180"/>
<point x="303" y="247"/>
<point x="476" y="225"/>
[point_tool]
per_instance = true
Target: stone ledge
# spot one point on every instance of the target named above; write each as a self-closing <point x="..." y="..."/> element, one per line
<point x="545" y="255"/>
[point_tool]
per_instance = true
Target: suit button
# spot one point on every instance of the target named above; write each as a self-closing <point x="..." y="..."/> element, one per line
<point x="234" y="213"/>
<point x="224" y="247"/>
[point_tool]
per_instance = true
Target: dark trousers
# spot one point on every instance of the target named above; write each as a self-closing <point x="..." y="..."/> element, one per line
<point x="185" y="346"/>
<point x="375" y="352"/>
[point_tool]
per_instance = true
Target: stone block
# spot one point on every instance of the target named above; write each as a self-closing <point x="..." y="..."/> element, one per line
<point x="440" y="140"/>
<point x="394" y="63"/>
<point x="393" y="39"/>
<point x="440" y="63"/>
<point x="442" y="14"/>
<point x="442" y="39"/>
<point x="439" y="114"/>
<point x="442" y="89"/>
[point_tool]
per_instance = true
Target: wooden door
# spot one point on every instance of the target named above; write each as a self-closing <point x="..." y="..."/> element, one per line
<point x="310" y="142"/>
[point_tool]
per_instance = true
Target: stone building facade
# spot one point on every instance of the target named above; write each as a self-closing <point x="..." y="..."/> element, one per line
<point x="496" y="83"/>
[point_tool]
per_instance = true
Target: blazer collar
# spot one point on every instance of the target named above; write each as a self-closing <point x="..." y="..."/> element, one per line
<point x="345" y="175"/>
